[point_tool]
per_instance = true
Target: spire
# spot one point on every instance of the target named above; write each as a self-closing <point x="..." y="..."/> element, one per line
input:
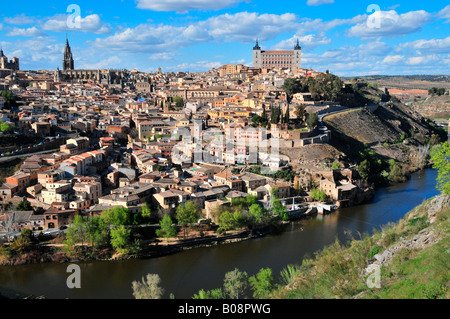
<point x="68" y="63"/>
<point x="1" y="53"/>
<point x="257" y="47"/>
<point x="297" y="46"/>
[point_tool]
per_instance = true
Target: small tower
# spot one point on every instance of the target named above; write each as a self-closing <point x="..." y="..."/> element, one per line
<point x="68" y="63"/>
<point x="257" y="57"/>
<point x="297" y="56"/>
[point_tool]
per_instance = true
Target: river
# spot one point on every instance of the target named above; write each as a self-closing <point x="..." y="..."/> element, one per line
<point x="184" y="274"/>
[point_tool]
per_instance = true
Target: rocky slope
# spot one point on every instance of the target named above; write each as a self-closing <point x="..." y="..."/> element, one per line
<point x="433" y="106"/>
<point x="411" y="256"/>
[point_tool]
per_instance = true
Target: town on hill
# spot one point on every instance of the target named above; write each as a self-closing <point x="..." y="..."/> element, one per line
<point x="130" y="161"/>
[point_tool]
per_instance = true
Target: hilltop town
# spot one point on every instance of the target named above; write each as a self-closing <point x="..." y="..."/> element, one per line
<point x="88" y="141"/>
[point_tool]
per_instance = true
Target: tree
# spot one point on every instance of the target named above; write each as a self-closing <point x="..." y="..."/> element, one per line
<point x="335" y="165"/>
<point x="300" y="113"/>
<point x="318" y="194"/>
<point x="364" y="170"/>
<point x="235" y="283"/>
<point x="167" y="229"/>
<point x="121" y="240"/>
<point x="214" y="294"/>
<point x="262" y="283"/>
<point x="24" y="205"/>
<point x="287" y="116"/>
<point x="187" y="214"/>
<point x="117" y="216"/>
<point x="148" y="288"/>
<point x="179" y="102"/>
<point x="256" y="212"/>
<point x="312" y="121"/>
<point x="146" y="211"/>
<point x="227" y="221"/>
<point x="280" y="210"/>
<point x="441" y="162"/>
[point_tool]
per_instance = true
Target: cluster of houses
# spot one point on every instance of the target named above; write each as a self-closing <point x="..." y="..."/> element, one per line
<point x="131" y="144"/>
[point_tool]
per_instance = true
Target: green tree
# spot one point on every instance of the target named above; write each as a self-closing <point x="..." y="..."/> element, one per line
<point x="167" y="230"/>
<point x="364" y="169"/>
<point x="24" y="205"/>
<point x="441" y="162"/>
<point x="227" y="221"/>
<point x="146" y="211"/>
<point x="121" y="240"/>
<point x="335" y="165"/>
<point x="148" y="288"/>
<point x="179" y="102"/>
<point x="312" y="121"/>
<point x="300" y="113"/>
<point x="318" y="194"/>
<point x="235" y="283"/>
<point x="187" y="214"/>
<point x="117" y="216"/>
<point x="214" y="294"/>
<point x="262" y="284"/>
<point x="256" y="212"/>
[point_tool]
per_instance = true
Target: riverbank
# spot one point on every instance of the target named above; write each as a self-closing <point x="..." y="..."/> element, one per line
<point x="408" y="259"/>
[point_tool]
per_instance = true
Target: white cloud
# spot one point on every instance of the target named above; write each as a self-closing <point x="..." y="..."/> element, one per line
<point x="91" y="23"/>
<point x="28" y="32"/>
<point x="184" y="5"/>
<point x="112" y="62"/>
<point x="241" y="27"/>
<point x="390" y="24"/>
<point x="445" y="14"/>
<point x="19" y="20"/>
<point x="318" y="2"/>
<point x="393" y="59"/>
<point x="199" y="66"/>
<point x="307" y="42"/>
<point x="428" y="46"/>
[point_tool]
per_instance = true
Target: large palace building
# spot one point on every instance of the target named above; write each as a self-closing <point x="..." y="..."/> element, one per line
<point x="277" y="59"/>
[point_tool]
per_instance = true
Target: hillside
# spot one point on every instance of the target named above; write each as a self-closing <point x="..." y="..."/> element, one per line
<point x="419" y="82"/>
<point x="406" y="260"/>
<point x="433" y="106"/>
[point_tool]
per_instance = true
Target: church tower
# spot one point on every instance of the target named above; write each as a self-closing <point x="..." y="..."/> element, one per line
<point x="68" y="63"/>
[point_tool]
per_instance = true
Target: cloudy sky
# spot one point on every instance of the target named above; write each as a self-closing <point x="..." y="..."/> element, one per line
<point x="346" y="37"/>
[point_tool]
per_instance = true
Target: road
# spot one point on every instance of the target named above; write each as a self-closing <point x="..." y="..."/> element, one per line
<point x="9" y="158"/>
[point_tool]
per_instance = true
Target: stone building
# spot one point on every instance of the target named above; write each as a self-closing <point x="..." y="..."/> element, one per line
<point x="277" y="59"/>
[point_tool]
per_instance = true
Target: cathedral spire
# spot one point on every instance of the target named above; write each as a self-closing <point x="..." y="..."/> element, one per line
<point x="68" y="63"/>
<point x="297" y="46"/>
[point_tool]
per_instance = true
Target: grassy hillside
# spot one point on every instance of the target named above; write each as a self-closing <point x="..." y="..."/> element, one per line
<point x="413" y="257"/>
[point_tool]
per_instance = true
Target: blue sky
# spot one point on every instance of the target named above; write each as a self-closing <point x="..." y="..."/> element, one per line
<point x="346" y="37"/>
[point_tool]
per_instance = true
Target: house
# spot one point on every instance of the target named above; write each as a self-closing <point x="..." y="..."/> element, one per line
<point x="55" y="217"/>
<point x="229" y="179"/>
<point x="167" y="199"/>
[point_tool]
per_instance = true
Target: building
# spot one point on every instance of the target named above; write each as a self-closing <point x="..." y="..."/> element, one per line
<point x="277" y="59"/>
<point x="68" y="63"/>
<point x="8" y="65"/>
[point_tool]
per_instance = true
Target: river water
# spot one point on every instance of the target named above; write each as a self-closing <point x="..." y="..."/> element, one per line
<point x="184" y="274"/>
